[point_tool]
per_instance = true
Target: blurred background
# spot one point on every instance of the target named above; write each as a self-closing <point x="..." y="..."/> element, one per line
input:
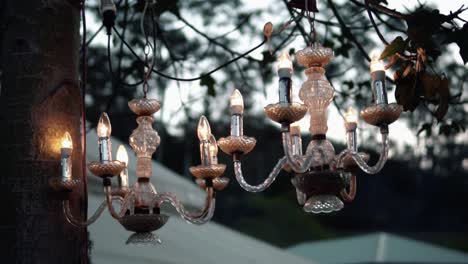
<point x="421" y="193"/>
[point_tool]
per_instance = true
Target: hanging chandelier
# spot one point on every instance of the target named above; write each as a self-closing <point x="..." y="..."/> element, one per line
<point x="322" y="178"/>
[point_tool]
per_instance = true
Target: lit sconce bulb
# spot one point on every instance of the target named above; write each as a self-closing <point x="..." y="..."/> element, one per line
<point x="351" y="115"/>
<point x="65" y="156"/>
<point x="285" y="62"/>
<point x="376" y="64"/>
<point x="122" y="155"/>
<point x="204" y="130"/>
<point x="237" y="103"/>
<point x="67" y="141"/>
<point x="104" y="127"/>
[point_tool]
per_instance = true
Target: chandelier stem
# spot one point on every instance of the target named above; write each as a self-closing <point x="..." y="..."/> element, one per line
<point x="265" y="184"/>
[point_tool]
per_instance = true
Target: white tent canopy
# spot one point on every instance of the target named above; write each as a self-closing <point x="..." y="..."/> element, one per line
<point x="377" y="248"/>
<point x="182" y="242"/>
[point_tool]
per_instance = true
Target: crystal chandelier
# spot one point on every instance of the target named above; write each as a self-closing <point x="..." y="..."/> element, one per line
<point x="139" y="205"/>
<point x="320" y="176"/>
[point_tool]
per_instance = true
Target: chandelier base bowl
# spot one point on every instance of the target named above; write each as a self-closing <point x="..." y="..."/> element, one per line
<point x="60" y="185"/>
<point x="218" y="184"/>
<point x="285" y="113"/>
<point x="105" y="170"/>
<point x="237" y="145"/>
<point x="143" y="223"/>
<point x="320" y="182"/>
<point x="208" y="172"/>
<point x="381" y="114"/>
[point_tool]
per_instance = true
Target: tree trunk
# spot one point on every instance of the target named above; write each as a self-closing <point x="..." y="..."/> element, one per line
<point x="39" y="101"/>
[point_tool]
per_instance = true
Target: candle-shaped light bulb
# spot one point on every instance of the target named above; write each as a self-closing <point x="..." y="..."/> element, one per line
<point x="213" y="150"/>
<point x="285" y="65"/>
<point x="67" y="141"/>
<point x="204" y="130"/>
<point x="351" y="115"/>
<point x="104" y="131"/>
<point x="104" y="127"/>
<point x="122" y="156"/>
<point x="296" y="140"/>
<point x="351" y="119"/>
<point x="376" y="64"/>
<point x="65" y="156"/>
<point x="285" y="70"/>
<point x="236" y="103"/>
<point x="377" y="69"/>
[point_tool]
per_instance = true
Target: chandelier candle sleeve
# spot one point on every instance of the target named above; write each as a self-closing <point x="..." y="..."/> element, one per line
<point x="295" y="131"/>
<point x="351" y="118"/>
<point x="104" y="130"/>
<point x="237" y="109"/>
<point x="204" y="132"/>
<point x="122" y="156"/>
<point x="285" y="70"/>
<point x="377" y="69"/>
<point x="65" y="153"/>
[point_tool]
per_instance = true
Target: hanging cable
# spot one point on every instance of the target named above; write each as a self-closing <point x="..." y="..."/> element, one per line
<point x="194" y="78"/>
<point x="109" y="62"/>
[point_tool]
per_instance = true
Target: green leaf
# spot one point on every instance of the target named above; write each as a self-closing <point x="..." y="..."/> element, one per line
<point x="209" y="82"/>
<point x="398" y="45"/>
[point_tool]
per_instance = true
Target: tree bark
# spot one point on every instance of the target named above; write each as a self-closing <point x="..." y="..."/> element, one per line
<point x="39" y="101"/>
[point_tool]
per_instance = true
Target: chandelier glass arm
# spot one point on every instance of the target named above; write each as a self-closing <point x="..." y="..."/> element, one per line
<point x="265" y="184"/>
<point x="78" y="223"/>
<point x="126" y="203"/>
<point x="348" y="196"/>
<point x="380" y="163"/>
<point x="197" y="218"/>
<point x="361" y="162"/>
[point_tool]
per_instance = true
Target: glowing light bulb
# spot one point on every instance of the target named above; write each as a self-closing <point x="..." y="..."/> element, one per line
<point x="351" y="115"/>
<point x="213" y="150"/>
<point x="65" y="155"/>
<point x="104" y="127"/>
<point x="376" y="64"/>
<point x="236" y="103"/>
<point x="67" y="141"/>
<point x="122" y="155"/>
<point x="285" y="62"/>
<point x="204" y="130"/>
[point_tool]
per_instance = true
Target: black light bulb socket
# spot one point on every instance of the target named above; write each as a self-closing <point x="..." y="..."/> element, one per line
<point x="108" y="19"/>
